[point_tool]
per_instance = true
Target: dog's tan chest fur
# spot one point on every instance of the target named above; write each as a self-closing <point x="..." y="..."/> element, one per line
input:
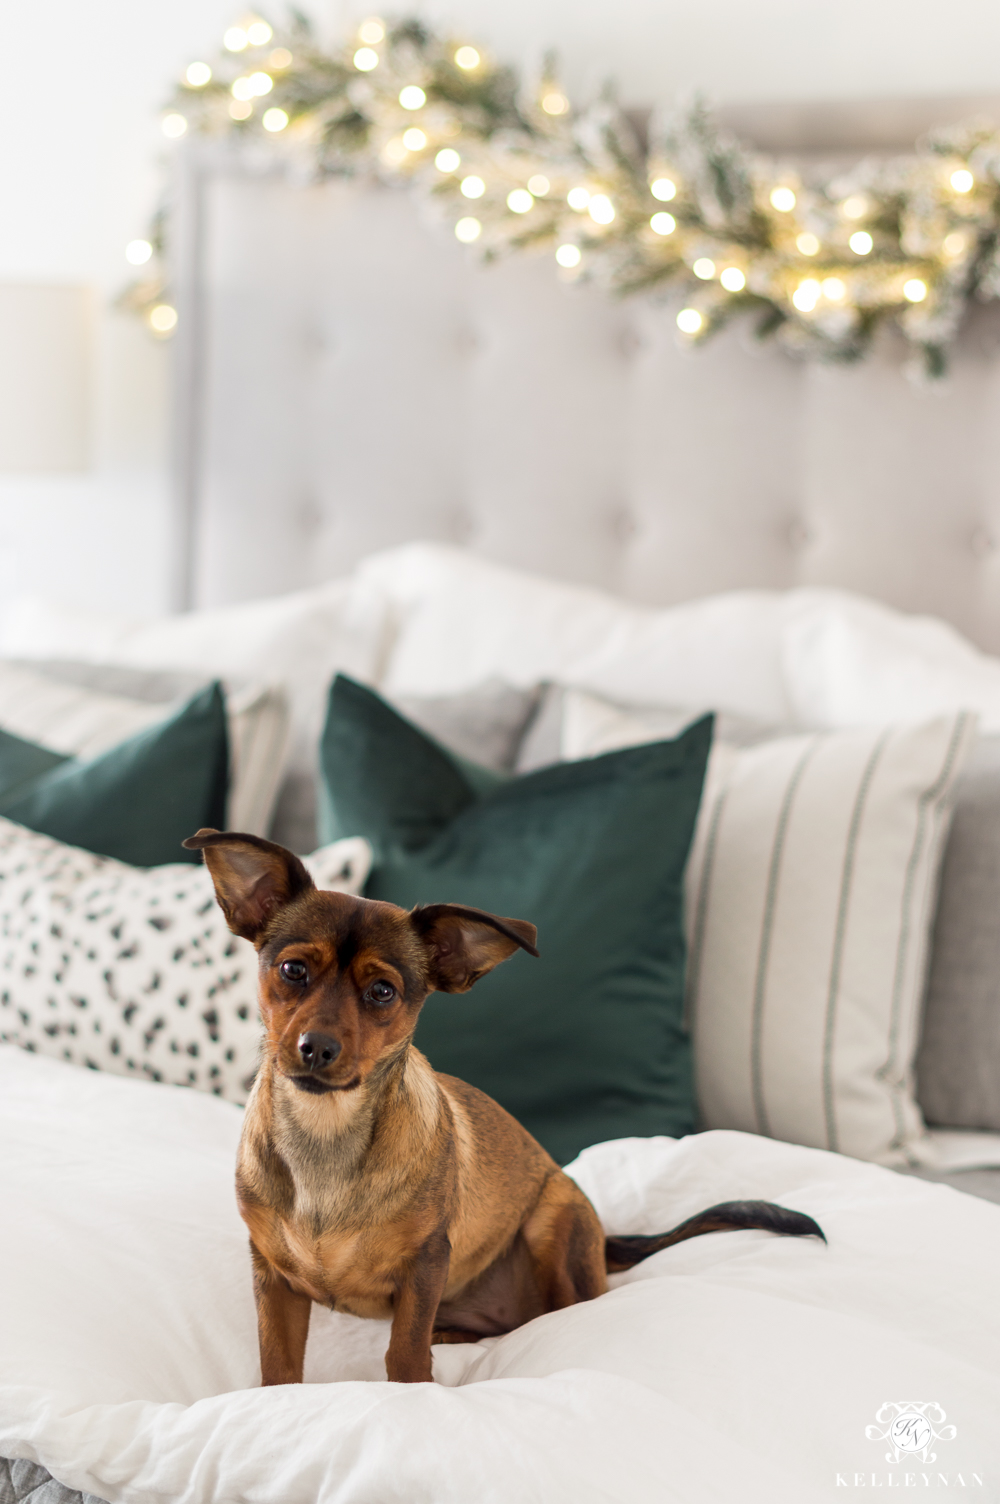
<point x="348" y="1269"/>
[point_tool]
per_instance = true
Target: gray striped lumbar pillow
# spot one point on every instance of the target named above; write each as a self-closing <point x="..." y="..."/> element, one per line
<point x="811" y="890"/>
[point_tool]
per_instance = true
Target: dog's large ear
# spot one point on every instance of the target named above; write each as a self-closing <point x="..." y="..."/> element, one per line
<point x="253" y="878"/>
<point x="464" y="944"/>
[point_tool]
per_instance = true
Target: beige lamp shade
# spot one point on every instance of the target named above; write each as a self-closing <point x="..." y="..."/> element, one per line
<point x="46" y="336"/>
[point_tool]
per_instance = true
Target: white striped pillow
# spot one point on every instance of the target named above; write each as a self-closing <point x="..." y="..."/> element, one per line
<point x="812" y="885"/>
<point x="811" y="890"/>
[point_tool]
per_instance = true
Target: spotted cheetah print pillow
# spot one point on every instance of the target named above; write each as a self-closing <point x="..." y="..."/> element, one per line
<point x="131" y="969"/>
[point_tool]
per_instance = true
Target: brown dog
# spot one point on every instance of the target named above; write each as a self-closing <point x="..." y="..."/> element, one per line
<point x="371" y="1184"/>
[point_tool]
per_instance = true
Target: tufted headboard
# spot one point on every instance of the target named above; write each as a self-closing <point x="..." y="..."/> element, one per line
<point x="350" y="377"/>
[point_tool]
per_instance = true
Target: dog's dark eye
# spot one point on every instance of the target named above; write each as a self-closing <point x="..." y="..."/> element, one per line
<point x="381" y="993"/>
<point x="293" y="971"/>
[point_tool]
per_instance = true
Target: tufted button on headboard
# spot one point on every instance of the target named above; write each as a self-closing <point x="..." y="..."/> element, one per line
<point x="355" y="379"/>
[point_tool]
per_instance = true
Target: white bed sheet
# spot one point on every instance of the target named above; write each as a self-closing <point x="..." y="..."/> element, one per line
<point x="736" y="1366"/>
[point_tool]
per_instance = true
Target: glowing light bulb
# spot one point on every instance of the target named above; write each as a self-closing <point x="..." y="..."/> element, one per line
<point x="240" y="109"/>
<point x="467" y="58"/>
<point x="539" y="185"/>
<point x="412" y="97"/>
<point x="259" y="34"/>
<point x="915" y="290"/>
<point x="807" y="244"/>
<point x="274" y="120"/>
<point x="468" y="229"/>
<point x="663" y="224"/>
<point x="372" y="31"/>
<point x="173" y="126"/>
<point x="664" y="189"/>
<point x="962" y="181"/>
<point x="414" y="140"/>
<point x="473" y="187"/>
<point x="138" y="252"/>
<point x="280" y="59"/>
<point x="519" y="201"/>
<point x="806" y="295"/>
<point x="578" y="199"/>
<point x="568" y="256"/>
<point x="242" y="88"/>
<point x="163" y="318"/>
<point x="602" y="210"/>
<point x="954" y="244"/>
<point x="689" y="321"/>
<point x="861" y="242"/>
<point x="782" y="199"/>
<point x="447" y="160"/>
<point x="261" y="83"/>
<point x="704" y="268"/>
<point x="197" y="75"/>
<point x="235" y="39"/>
<point x="365" y="59"/>
<point x="834" y="289"/>
<point x="555" y="103"/>
<point x="732" y="279"/>
<point x="855" y="207"/>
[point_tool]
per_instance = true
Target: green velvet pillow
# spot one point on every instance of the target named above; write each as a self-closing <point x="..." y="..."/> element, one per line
<point x="22" y="762"/>
<point x="135" y="802"/>
<point x="588" y="1042"/>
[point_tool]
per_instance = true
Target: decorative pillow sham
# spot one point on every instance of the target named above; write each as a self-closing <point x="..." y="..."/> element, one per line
<point x="83" y="709"/>
<point x="813" y="883"/>
<point x="133" y="970"/>
<point x="958" y="1067"/>
<point x="486" y="724"/>
<point x="586" y="1043"/>
<point x="811" y="891"/>
<point x="138" y="801"/>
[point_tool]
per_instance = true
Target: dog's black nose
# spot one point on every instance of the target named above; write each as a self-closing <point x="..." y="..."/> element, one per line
<point x="318" y="1050"/>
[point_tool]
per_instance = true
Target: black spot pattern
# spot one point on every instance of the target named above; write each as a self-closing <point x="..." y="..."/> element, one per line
<point x="133" y="970"/>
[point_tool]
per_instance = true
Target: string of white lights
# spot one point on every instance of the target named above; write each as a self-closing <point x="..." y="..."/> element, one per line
<point x="821" y="262"/>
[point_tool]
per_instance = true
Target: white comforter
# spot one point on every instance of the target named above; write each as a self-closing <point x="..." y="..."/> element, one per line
<point x="735" y="1367"/>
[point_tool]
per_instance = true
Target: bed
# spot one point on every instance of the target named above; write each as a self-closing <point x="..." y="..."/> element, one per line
<point x="614" y="532"/>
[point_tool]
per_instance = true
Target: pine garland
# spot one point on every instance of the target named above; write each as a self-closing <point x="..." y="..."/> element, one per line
<point x="819" y="262"/>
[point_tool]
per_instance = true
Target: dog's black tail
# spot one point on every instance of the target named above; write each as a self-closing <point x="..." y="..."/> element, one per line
<point x="728" y="1216"/>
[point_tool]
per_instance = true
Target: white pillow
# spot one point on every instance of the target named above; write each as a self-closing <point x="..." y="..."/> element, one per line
<point x="811" y="657"/>
<point x="854" y="662"/>
<point x="463" y="620"/>
<point x="810" y="894"/>
<point x="128" y="1364"/>
<point x="132" y="969"/>
<point x="298" y="641"/>
<point x="83" y="721"/>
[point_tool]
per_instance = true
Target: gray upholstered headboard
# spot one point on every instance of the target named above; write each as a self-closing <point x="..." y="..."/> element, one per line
<point x="350" y="377"/>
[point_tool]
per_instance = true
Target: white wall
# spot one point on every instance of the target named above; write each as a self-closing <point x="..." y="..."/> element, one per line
<point x="737" y="50"/>
<point x="79" y="175"/>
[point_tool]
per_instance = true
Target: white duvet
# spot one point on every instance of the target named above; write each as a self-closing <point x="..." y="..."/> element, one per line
<point x="736" y="1367"/>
